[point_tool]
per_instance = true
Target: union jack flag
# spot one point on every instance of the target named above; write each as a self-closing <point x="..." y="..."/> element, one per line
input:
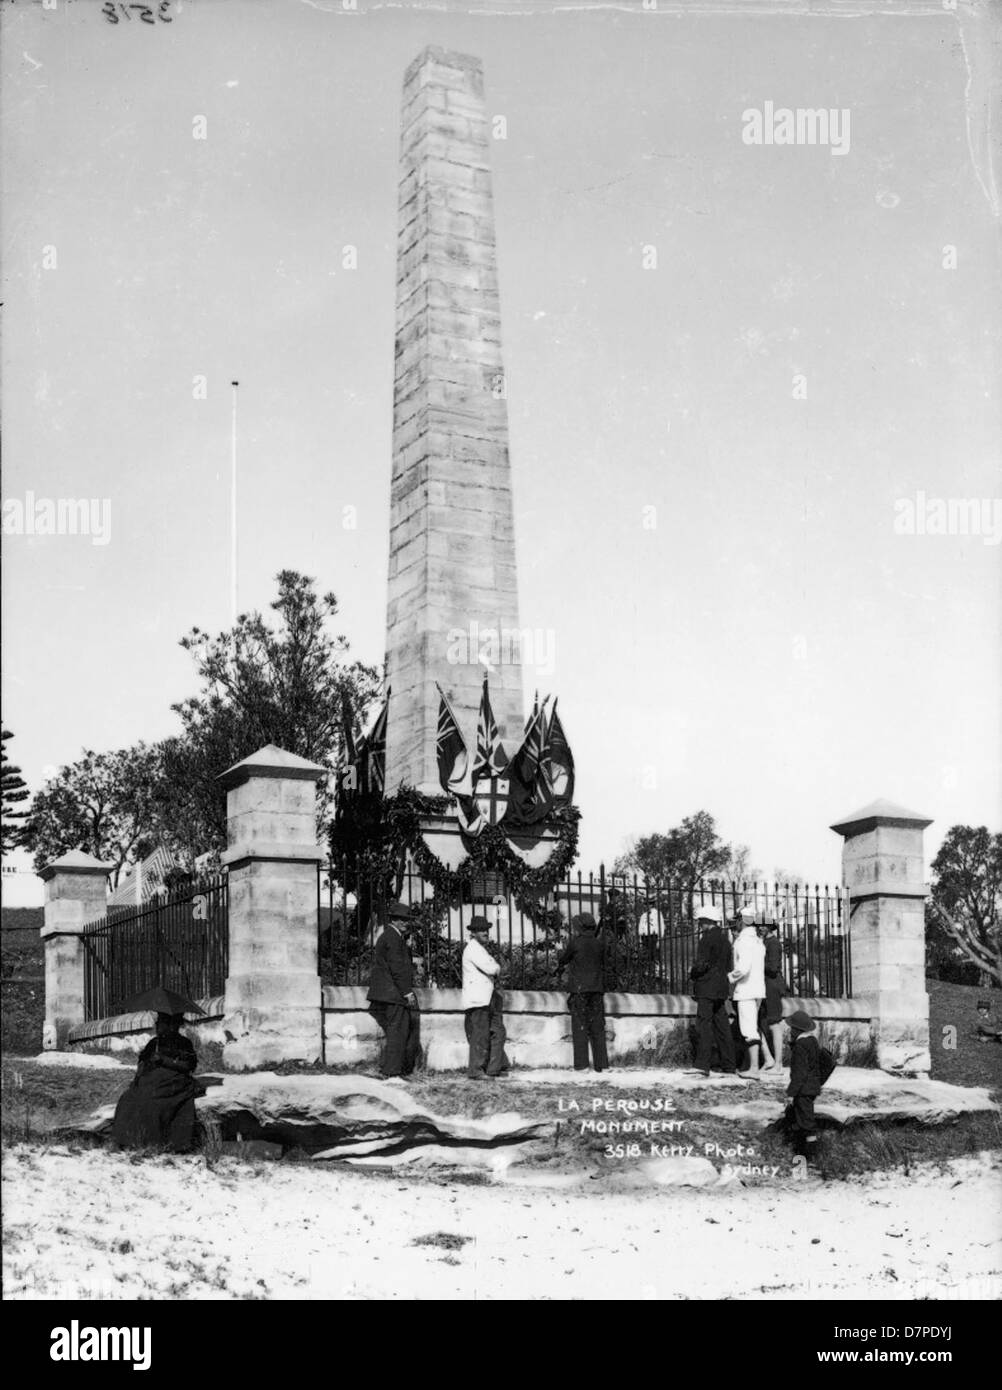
<point x="491" y="759"/>
<point x="348" y="770"/>
<point x="529" y="792"/>
<point x="374" y="755"/>
<point x="557" y="763"/>
<point x="453" y="755"/>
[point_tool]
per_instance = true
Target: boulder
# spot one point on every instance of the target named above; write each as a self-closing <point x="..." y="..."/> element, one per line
<point x="335" y="1117"/>
<point x="858" y="1096"/>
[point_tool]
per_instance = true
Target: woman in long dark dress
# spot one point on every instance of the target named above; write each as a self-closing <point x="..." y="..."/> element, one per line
<point x="158" y="1109"/>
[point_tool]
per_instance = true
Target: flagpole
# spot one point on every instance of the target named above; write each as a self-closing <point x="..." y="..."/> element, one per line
<point x="233" y="508"/>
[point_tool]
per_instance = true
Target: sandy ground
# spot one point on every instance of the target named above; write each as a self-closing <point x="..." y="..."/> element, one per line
<point x="98" y="1224"/>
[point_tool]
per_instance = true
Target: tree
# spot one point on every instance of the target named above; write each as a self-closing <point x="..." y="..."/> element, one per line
<point x="260" y="685"/>
<point x="966" y="900"/>
<point x="787" y="880"/>
<point x="15" y="791"/>
<point x="687" y="853"/>
<point x="103" y="804"/>
<point x="739" y="867"/>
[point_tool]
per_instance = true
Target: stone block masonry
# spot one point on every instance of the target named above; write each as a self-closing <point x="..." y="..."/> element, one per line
<point x="272" y="1002"/>
<point x="75" y="895"/>
<point x="882" y="866"/>
<point x="452" y="548"/>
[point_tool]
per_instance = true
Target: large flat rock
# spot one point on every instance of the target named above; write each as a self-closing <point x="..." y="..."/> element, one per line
<point x="335" y="1117"/>
<point x="857" y="1096"/>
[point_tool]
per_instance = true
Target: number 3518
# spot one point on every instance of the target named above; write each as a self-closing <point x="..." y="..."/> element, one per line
<point x="112" y="11"/>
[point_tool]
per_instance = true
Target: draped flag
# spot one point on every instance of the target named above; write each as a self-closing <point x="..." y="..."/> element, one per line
<point x="470" y="817"/>
<point x="347" y="728"/>
<point x="372" y="758"/>
<point x="450" y="746"/>
<point x="528" y="792"/>
<point x="490" y="782"/>
<point x="557" y="763"/>
<point x="348" y="772"/>
<point x="491" y="759"/>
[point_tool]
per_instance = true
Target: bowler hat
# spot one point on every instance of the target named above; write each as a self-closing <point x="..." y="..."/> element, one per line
<point x="800" y="1022"/>
<point x="479" y="924"/>
<point x="401" y="912"/>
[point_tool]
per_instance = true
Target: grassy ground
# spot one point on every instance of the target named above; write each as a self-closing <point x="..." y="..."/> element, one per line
<point x="22" y="966"/>
<point x="37" y="1098"/>
<point x="957" y="1056"/>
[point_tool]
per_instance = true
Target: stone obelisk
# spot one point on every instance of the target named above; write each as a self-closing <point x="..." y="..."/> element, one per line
<point x="452" y="575"/>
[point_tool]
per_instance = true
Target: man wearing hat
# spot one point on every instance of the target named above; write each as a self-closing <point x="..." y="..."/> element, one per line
<point x="392" y="1001"/>
<point x="585" y="956"/>
<point x="748" y="979"/>
<point x="709" y="975"/>
<point x="483" y="1006"/>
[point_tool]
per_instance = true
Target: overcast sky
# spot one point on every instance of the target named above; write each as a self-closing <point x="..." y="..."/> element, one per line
<point x="772" y="650"/>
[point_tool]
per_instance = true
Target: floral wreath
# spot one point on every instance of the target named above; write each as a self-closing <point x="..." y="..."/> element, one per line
<point x="380" y="833"/>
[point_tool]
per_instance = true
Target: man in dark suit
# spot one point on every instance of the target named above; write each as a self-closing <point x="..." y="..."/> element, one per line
<point x="714" y="961"/>
<point x="392" y="1001"/>
<point x="585" y="955"/>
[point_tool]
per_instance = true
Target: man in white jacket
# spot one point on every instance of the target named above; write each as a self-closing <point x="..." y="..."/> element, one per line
<point x="748" y="979"/>
<point x="483" y="1006"/>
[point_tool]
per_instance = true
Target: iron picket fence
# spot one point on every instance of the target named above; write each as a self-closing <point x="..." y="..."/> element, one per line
<point x="649" y="928"/>
<point x="180" y="941"/>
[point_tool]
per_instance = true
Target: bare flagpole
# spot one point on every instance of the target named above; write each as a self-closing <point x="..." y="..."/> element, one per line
<point x="233" y="509"/>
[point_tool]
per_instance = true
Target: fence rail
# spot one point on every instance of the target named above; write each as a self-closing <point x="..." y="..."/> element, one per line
<point x="180" y="941"/>
<point x="649" y="928"/>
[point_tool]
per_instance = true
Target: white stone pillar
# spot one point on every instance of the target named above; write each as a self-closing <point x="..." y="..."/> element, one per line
<point x="273" y="999"/>
<point x="883" y="869"/>
<point x="75" y="894"/>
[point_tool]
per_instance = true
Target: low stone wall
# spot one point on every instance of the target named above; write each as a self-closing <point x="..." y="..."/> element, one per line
<point x="537" y="1021"/>
<point x="130" y="1032"/>
<point x="539" y="1026"/>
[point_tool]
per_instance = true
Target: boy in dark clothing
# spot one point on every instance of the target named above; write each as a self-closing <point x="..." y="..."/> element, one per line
<point x="585" y="955"/>
<point x="805" y="1084"/>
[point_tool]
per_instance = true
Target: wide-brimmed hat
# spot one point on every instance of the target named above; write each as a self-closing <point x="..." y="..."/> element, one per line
<point x="400" y="912"/>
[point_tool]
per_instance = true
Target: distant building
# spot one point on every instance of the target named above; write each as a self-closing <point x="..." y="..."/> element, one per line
<point x="21" y="886"/>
